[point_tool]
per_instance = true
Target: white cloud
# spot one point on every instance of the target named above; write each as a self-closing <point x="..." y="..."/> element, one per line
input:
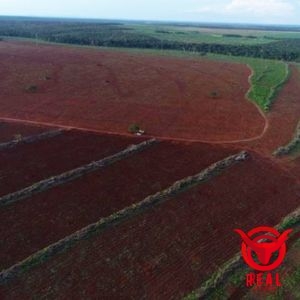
<point x="260" y="7"/>
<point x="252" y="8"/>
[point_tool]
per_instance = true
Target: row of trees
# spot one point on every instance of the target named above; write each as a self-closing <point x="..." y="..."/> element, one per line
<point x="110" y="35"/>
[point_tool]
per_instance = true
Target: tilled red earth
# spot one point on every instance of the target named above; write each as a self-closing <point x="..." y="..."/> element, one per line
<point x="105" y="90"/>
<point x="9" y="131"/>
<point x="26" y="164"/>
<point x="49" y="216"/>
<point x="168" y="251"/>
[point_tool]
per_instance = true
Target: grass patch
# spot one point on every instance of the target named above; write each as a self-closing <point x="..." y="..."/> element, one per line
<point x="195" y="34"/>
<point x="266" y="81"/>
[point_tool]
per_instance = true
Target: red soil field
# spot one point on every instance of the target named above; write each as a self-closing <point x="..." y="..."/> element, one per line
<point x="283" y="117"/>
<point x="9" y="130"/>
<point x="168" y="251"/>
<point x="49" y="216"/>
<point x="26" y="164"/>
<point x="292" y="164"/>
<point x="107" y="91"/>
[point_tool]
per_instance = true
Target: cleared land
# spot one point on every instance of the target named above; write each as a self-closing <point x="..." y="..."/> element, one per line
<point x="195" y="99"/>
<point x="11" y="131"/>
<point x="26" y="164"/>
<point x="167" y="251"/>
<point x="52" y="215"/>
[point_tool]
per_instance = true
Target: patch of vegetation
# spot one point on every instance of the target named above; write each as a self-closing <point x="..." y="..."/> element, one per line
<point x="134" y="128"/>
<point x="18" y="137"/>
<point x="32" y="88"/>
<point x="214" y="94"/>
<point x="267" y="79"/>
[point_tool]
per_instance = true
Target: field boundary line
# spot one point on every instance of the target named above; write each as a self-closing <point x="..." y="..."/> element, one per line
<point x="73" y="174"/>
<point x="162" y="138"/>
<point x="116" y="218"/>
<point x="31" y="139"/>
<point x="220" y="276"/>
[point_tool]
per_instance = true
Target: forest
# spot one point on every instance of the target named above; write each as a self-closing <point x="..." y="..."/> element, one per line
<point x="116" y="34"/>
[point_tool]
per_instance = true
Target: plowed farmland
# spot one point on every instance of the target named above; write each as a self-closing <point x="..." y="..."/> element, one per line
<point x="197" y="110"/>
<point x="169" y="97"/>
<point x="27" y="164"/>
<point x="49" y="216"/>
<point x="167" y="251"/>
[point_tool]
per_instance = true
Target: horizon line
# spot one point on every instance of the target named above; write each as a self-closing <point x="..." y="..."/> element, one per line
<point x="150" y="20"/>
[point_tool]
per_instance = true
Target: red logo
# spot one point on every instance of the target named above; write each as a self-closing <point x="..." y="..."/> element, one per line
<point x="265" y="242"/>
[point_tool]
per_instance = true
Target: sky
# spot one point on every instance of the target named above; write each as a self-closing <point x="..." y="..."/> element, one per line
<point x="219" y="11"/>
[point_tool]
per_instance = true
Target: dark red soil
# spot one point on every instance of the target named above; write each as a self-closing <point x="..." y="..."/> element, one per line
<point x="283" y="117"/>
<point x="295" y="167"/>
<point x="26" y="164"/>
<point x="104" y="90"/>
<point x="8" y="131"/>
<point x="168" y="251"/>
<point x="49" y="216"/>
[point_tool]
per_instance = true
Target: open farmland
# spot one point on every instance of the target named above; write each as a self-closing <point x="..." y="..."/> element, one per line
<point x="164" y="95"/>
<point x="21" y="168"/>
<point x="80" y="217"/>
<point x="165" y="252"/>
<point x="10" y="131"/>
<point x="69" y="207"/>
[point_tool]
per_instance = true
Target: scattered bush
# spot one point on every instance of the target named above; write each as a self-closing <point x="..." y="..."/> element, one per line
<point x="18" y="137"/>
<point x="31" y="88"/>
<point x="134" y="128"/>
<point x="214" y="94"/>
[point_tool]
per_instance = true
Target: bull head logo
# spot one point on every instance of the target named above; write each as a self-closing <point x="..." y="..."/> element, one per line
<point x="264" y="250"/>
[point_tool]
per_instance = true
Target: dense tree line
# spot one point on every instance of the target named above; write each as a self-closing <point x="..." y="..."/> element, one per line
<point x="118" y="35"/>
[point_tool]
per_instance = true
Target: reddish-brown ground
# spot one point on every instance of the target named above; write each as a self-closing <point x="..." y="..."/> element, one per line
<point x="49" y="216"/>
<point x="8" y="131"/>
<point x="168" y="251"/>
<point x="105" y="90"/>
<point x="295" y="166"/>
<point x="26" y="164"/>
<point x="283" y="117"/>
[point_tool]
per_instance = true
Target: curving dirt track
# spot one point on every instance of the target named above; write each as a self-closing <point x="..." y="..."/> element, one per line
<point x="283" y="117"/>
<point x="170" y="97"/>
